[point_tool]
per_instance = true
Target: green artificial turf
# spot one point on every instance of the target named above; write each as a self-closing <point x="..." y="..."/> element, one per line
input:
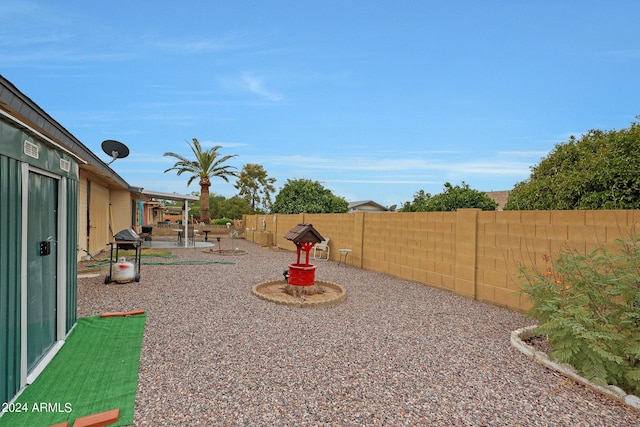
<point x="96" y="370"/>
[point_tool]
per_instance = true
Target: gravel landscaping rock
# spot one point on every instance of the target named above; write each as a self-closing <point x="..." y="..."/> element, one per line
<point x="395" y="353"/>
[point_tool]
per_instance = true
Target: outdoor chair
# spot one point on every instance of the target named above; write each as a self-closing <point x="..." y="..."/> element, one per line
<point x="146" y="232"/>
<point x="322" y="247"/>
<point x="192" y="234"/>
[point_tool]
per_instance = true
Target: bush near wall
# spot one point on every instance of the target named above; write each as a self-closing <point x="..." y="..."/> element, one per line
<point x="588" y="306"/>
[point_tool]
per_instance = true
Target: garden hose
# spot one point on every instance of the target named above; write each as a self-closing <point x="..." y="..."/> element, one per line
<point x="186" y="262"/>
<point x="103" y="262"/>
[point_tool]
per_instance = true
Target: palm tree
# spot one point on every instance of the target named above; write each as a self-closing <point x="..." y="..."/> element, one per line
<point x="205" y="166"/>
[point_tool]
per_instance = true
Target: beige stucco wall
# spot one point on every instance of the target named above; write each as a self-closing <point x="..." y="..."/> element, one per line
<point x="121" y="207"/>
<point x="98" y="217"/>
<point x="82" y="216"/>
<point x="103" y="211"/>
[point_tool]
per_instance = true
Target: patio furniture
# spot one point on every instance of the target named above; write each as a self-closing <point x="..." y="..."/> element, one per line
<point x="344" y="252"/>
<point x="179" y="231"/>
<point x="192" y="233"/>
<point x="322" y="247"/>
<point x="146" y="232"/>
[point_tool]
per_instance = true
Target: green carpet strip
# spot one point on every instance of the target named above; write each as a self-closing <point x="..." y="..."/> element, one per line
<point x="95" y="370"/>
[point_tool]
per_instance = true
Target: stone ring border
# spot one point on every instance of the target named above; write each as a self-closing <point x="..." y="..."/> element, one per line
<point x="517" y="341"/>
<point x="342" y="295"/>
<point x="226" y="252"/>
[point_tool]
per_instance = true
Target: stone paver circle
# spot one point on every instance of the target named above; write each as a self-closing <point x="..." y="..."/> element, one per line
<point x="273" y="291"/>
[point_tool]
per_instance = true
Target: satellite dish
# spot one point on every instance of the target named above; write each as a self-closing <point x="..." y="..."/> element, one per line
<point x="115" y="149"/>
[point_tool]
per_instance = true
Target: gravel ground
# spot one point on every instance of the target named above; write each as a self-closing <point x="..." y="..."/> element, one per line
<point x="395" y="353"/>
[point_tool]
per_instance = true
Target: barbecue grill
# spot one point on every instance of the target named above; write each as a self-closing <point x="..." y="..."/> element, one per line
<point x="126" y="239"/>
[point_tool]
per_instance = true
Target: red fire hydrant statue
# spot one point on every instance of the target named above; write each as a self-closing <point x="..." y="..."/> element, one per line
<point x="301" y="278"/>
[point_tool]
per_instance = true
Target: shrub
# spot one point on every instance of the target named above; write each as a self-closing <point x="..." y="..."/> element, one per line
<point x="222" y="221"/>
<point x="588" y="306"/>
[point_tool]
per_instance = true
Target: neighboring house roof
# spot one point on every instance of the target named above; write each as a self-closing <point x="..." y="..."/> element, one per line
<point x="499" y="197"/>
<point x="366" y="206"/>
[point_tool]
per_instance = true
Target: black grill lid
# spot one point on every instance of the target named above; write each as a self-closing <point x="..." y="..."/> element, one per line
<point x="126" y="235"/>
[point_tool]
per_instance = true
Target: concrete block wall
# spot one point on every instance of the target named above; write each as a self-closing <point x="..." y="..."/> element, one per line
<point x="507" y="240"/>
<point x="342" y="230"/>
<point x="281" y="226"/>
<point x="473" y="253"/>
<point x="412" y="246"/>
<point x="255" y="226"/>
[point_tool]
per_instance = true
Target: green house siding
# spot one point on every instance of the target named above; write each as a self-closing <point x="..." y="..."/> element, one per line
<point x="12" y="145"/>
<point x="10" y="261"/>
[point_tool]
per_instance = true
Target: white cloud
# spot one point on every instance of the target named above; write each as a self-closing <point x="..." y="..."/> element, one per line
<point x="11" y="10"/>
<point x="381" y="181"/>
<point x="256" y="85"/>
<point x="226" y="42"/>
<point x="523" y="153"/>
<point x="487" y="168"/>
<point x="347" y="164"/>
<point x="146" y="158"/>
<point x="562" y="138"/>
<point x="223" y="144"/>
<point x="357" y="169"/>
<point x="351" y="163"/>
<point x="65" y="55"/>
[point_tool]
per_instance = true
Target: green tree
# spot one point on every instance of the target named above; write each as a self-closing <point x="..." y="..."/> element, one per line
<point x="255" y="187"/>
<point x="221" y="207"/>
<point x="453" y="197"/>
<point x="207" y="164"/>
<point x="597" y="171"/>
<point x="419" y="203"/>
<point x="304" y="195"/>
<point x="233" y="207"/>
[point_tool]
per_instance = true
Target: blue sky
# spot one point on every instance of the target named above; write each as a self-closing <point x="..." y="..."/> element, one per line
<point x="374" y="99"/>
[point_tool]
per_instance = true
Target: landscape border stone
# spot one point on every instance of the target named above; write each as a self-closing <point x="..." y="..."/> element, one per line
<point x="342" y="295"/>
<point x="517" y="341"/>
